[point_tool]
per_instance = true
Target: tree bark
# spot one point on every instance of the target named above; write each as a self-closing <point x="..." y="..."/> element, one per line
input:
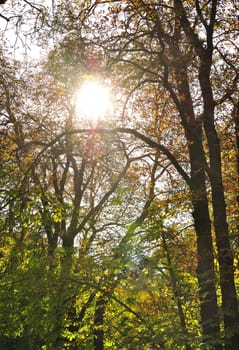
<point x="205" y="270"/>
<point x="225" y="255"/>
<point x="176" y="294"/>
<point x="99" y="323"/>
<point x="236" y="122"/>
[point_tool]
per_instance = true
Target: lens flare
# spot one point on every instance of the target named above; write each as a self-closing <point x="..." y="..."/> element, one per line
<point x="93" y="102"/>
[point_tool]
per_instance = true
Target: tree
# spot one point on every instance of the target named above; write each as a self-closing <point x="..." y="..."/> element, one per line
<point x="166" y="61"/>
<point x="55" y="192"/>
<point x="175" y="45"/>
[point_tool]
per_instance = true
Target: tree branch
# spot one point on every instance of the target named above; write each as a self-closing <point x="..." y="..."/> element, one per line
<point x="151" y="143"/>
<point x="193" y="37"/>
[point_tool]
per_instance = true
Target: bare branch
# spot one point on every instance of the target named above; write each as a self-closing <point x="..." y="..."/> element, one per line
<point x="151" y="143"/>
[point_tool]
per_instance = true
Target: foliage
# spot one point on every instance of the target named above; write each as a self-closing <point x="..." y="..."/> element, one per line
<point x="120" y="236"/>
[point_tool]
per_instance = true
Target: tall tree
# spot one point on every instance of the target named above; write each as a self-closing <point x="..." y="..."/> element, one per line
<point x="174" y="43"/>
<point x="167" y="62"/>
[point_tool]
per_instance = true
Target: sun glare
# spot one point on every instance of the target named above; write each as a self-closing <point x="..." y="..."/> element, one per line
<point x="92" y="102"/>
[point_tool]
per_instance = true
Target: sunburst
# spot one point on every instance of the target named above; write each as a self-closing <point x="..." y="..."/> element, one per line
<point x="93" y="101"/>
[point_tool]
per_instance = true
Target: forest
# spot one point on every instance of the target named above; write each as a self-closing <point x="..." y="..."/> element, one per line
<point x="119" y="175"/>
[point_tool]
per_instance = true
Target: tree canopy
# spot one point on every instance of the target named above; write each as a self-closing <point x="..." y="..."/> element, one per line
<point x="121" y="231"/>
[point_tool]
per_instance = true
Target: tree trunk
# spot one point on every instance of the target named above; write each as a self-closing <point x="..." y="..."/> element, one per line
<point x="205" y="270"/>
<point x="65" y="298"/>
<point x="225" y="255"/>
<point x="99" y="323"/>
<point x="176" y="294"/>
<point x="236" y="122"/>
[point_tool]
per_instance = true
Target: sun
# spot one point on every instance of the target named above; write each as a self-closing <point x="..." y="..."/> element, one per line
<point x="93" y="101"/>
